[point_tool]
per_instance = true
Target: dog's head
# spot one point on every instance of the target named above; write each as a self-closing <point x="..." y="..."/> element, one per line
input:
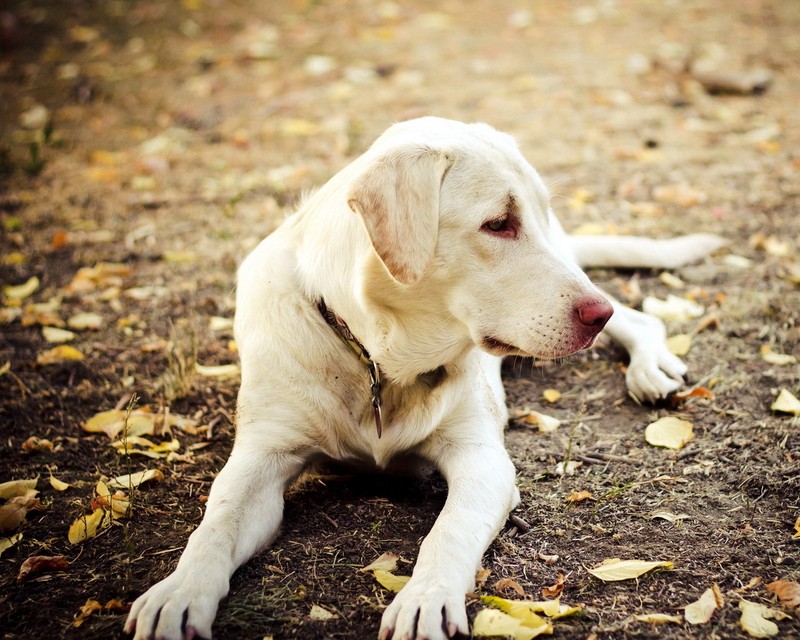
<point x="459" y="219"/>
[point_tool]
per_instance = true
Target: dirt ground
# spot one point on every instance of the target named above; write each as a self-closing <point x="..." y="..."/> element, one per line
<point x="170" y="137"/>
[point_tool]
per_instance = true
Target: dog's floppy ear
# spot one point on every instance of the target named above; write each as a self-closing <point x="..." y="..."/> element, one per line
<point x="397" y="198"/>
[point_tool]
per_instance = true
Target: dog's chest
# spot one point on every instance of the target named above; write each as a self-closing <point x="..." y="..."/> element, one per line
<point x="410" y="413"/>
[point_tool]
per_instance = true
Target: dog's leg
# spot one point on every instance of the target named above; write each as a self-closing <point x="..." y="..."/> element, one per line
<point x="654" y="371"/>
<point x="481" y="492"/>
<point x="244" y="510"/>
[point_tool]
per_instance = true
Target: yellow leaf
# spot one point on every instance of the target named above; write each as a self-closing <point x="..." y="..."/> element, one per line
<point x="786" y="403"/>
<point x="673" y="309"/>
<point x="490" y="622"/>
<point x="672" y="281"/>
<point x="545" y="423"/>
<point x="217" y="371"/>
<point x="85" y="320"/>
<point x="701" y="610"/>
<point x="13" y="512"/>
<point x="318" y="613"/>
<point x="754" y="620"/>
<point x="21" y="291"/>
<point x="797" y="529"/>
<point x="779" y="359"/>
<point x="61" y="353"/>
<point x="113" y="423"/>
<point x="386" y="562"/>
<point x="679" y="344"/>
<point x="524" y="610"/>
<point x="58" y="485"/>
<point x="788" y="592"/>
<point x="614" y="569"/>
<point x="7" y="543"/>
<point x="87" y="527"/>
<point x="131" y="480"/>
<point x="551" y="395"/>
<point x="669" y="432"/>
<point x="14" y="488"/>
<point x="389" y="580"/>
<point x="657" y="618"/>
<point x="55" y="335"/>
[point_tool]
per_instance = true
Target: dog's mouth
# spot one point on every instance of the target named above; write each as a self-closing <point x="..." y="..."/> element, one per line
<point x="500" y="348"/>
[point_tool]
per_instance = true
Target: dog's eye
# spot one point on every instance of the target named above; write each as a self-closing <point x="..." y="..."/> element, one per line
<point x="497" y="225"/>
<point x="504" y="226"/>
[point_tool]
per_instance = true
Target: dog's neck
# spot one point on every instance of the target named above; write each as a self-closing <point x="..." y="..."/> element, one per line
<point x="407" y="330"/>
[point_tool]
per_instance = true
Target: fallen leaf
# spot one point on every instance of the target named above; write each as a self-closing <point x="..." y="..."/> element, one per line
<point x="701" y="610"/>
<point x="86" y="610"/>
<point x="614" y="569"/>
<point x="58" y="485"/>
<point x="671" y="280"/>
<point x="545" y="423"/>
<point x="117" y="421"/>
<point x="788" y="592"/>
<point x="87" y="527"/>
<point x="37" y="564"/>
<point x="59" y="354"/>
<point x="568" y="468"/>
<point x="797" y="528"/>
<point x="85" y="320"/>
<point x="386" y="562"/>
<point x="754" y="620"/>
<point x="551" y="395"/>
<point x="318" y="613"/>
<point x="21" y="291"/>
<point x="218" y="323"/>
<point x="481" y="577"/>
<point x="668" y="516"/>
<point x="13" y="512"/>
<point x="786" y="403"/>
<point x="7" y="543"/>
<point x="34" y="443"/>
<point x="579" y="496"/>
<point x="697" y="392"/>
<point x="490" y="622"/>
<point x="779" y="359"/>
<point x="390" y="581"/>
<point x="554" y="590"/>
<point x="673" y="309"/>
<point x="679" y="344"/>
<point x="504" y="584"/>
<point x="55" y="335"/>
<point x="547" y="558"/>
<point x="14" y="488"/>
<point x="657" y="618"/>
<point x="133" y="480"/>
<point x="524" y="610"/>
<point x="217" y="371"/>
<point x="669" y="432"/>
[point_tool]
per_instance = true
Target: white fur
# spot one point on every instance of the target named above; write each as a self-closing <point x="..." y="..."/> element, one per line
<point x="396" y="245"/>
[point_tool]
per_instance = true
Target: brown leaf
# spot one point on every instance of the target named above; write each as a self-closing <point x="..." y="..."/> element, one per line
<point x="13" y="512"/>
<point x="504" y="584"/>
<point x="579" y="496"/>
<point x="554" y="590"/>
<point x="788" y="593"/>
<point x="36" y="564"/>
<point x="34" y="444"/>
<point x="86" y="610"/>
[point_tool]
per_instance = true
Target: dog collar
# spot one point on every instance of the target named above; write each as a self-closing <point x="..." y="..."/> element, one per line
<point x="343" y="331"/>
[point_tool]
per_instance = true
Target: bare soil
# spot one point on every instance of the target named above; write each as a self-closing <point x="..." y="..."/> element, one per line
<point x="177" y="135"/>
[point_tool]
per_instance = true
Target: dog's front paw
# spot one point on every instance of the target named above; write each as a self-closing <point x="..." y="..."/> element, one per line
<point x="654" y="374"/>
<point x="180" y="607"/>
<point x="425" y="610"/>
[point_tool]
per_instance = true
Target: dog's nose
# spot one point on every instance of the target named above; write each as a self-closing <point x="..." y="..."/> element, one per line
<point x="593" y="312"/>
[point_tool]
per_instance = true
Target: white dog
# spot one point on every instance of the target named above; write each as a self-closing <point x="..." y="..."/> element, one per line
<point x="371" y="325"/>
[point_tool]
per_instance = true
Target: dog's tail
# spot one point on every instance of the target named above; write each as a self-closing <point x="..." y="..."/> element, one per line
<point x="634" y="252"/>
